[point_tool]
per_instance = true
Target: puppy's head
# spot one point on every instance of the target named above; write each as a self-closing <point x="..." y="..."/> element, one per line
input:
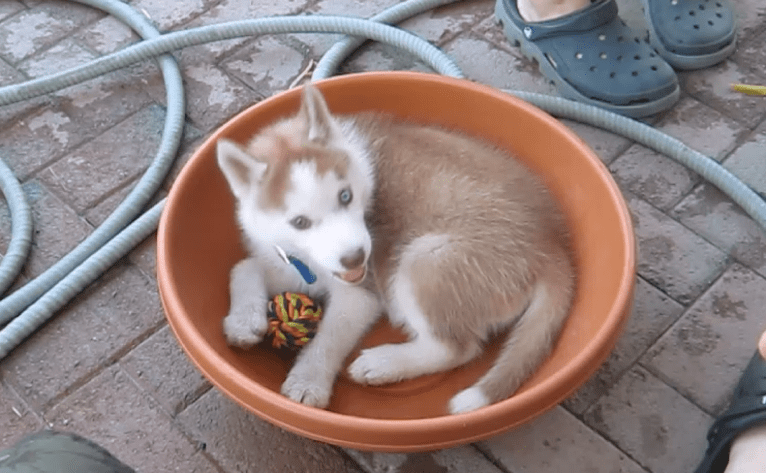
<point x="304" y="185"/>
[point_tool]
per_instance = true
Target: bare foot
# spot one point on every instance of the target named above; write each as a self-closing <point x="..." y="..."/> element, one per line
<point x="748" y="450"/>
<point x="542" y="10"/>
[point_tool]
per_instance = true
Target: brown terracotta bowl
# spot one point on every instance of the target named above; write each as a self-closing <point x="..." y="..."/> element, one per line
<point x="199" y="242"/>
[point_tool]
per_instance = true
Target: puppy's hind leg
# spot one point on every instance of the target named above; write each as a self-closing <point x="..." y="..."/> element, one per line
<point x="424" y="353"/>
<point x="530" y="340"/>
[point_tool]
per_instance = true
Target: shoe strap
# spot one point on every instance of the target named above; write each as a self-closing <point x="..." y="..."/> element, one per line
<point x="745" y="412"/>
<point x="587" y="19"/>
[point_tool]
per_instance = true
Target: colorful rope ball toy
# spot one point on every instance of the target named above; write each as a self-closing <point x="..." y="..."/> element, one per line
<point x="293" y="320"/>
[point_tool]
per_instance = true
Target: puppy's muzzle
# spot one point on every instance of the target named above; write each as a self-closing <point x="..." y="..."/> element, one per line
<point x="355" y="263"/>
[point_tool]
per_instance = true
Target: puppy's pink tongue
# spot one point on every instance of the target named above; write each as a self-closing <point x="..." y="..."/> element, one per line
<point x="355" y="275"/>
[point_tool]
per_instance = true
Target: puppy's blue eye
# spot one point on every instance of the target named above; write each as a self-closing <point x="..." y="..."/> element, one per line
<point x="300" y="222"/>
<point x="345" y="196"/>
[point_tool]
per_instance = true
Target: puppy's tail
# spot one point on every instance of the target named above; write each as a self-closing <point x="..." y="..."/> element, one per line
<point x="530" y="340"/>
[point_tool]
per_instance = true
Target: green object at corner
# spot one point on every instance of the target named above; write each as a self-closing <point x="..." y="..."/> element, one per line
<point x="49" y="451"/>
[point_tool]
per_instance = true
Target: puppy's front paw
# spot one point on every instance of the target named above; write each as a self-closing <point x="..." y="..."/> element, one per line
<point x="376" y="366"/>
<point x="245" y="326"/>
<point x="307" y="390"/>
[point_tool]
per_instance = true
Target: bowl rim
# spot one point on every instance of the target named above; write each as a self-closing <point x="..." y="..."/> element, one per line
<point x="386" y="434"/>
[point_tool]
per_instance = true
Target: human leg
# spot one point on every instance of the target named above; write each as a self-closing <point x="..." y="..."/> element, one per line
<point x="737" y="439"/>
<point x="591" y="55"/>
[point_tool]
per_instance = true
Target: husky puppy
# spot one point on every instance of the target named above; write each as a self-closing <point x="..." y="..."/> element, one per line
<point x="452" y="238"/>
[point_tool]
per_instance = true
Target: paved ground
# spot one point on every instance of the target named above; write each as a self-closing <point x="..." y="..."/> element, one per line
<point x="108" y="368"/>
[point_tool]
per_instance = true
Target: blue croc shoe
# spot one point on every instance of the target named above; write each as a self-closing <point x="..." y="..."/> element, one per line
<point x="747" y="409"/>
<point x="691" y="34"/>
<point x="593" y="57"/>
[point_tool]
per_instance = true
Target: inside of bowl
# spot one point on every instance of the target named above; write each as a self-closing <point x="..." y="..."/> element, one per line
<point x="203" y="242"/>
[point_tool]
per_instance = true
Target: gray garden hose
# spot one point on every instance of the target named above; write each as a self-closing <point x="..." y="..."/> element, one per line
<point x="339" y="51"/>
<point x="61" y="281"/>
<point x="21" y="228"/>
<point x="59" y="274"/>
<point x="102" y="249"/>
<point x="752" y="203"/>
<point x="167" y="42"/>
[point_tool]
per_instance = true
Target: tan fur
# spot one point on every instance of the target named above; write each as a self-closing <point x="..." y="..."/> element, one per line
<point x="458" y="228"/>
<point x="506" y="235"/>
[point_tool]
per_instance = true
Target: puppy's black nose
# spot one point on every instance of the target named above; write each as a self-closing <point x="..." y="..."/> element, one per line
<point x="353" y="260"/>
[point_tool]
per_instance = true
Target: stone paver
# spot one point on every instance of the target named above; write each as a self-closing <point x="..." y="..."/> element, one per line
<point x="744" y="162"/>
<point x="87" y="175"/>
<point x="662" y="181"/>
<point x="168" y="15"/>
<point x="214" y="95"/>
<point x="30" y="31"/>
<point x="488" y="65"/>
<point x="62" y="56"/>
<point x="10" y="114"/>
<point x="40" y="138"/>
<point x="230" y="10"/>
<point x="557" y="442"/>
<point x="651" y="422"/>
<point x="107" y="365"/>
<point x="50" y="242"/>
<point x="239" y="441"/>
<point x="712" y="86"/>
<point x="17" y="418"/>
<point x="678" y="261"/>
<point x="652" y="176"/>
<point x="653" y="313"/>
<point x="159" y="365"/>
<point x="99" y="326"/>
<point x="716" y="218"/>
<point x="106" y="35"/>
<point x="285" y="61"/>
<point x="443" y="23"/>
<point x="458" y="459"/>
<point x="607" y="145"/>
<point x="112" y="411"/>
<point x="713" y="340"/>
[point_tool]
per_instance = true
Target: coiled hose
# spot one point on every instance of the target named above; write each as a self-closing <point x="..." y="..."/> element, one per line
<point x="32" y="305"/>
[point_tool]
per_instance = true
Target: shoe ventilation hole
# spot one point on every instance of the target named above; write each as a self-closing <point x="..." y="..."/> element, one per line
<point x="619" y="58"/>
<point x="654" y="68"/>
<point x="611" y="75"/>
<point x="592" y="68"/>
<point x="602" y="55"/>
<point x="637" y="57"/>
<point x="677" y="18"/>
<point x="578" y="55"/>
<point x="620" y="39"/>
<point x="719" y="15"/>
<point x="710" y="22"/>
<point x="701" y="7"/>
<point x="652" y="55"/>
<point x="634" y="73"/>
<point x="691" y="12"/>
<point x="718" y="4"/>
<point x="696" y="27"/>
<point x="602" y="37"/>
<point x="674" y="2"/>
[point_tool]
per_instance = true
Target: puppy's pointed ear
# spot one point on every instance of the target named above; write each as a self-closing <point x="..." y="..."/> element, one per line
<point x="320" y="124"/>
<point x="240" y="167"/>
